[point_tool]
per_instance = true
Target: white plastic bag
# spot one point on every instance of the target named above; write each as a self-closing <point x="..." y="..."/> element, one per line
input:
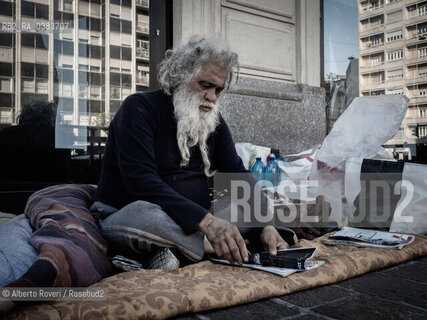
<point x="298" y="166"/>
<point x="248" y="152"/>
<point x="360" y="131"/>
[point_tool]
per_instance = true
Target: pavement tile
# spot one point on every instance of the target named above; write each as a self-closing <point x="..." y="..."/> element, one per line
<point x="307" y="317"/>
<point x="317" y="296"/>
<point x="265" y="309"/>
<point x="423" y="259"/>
<point x="367" y="307"/>
<point x="415" y="271"/>
<point x="389" y="287"/>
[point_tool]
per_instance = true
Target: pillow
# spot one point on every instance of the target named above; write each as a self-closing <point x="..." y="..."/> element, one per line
<point x="16" y="253"/>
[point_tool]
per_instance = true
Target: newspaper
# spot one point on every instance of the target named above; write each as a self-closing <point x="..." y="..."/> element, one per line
<point x="305" y="264"/>
<point x="369" y="238"/>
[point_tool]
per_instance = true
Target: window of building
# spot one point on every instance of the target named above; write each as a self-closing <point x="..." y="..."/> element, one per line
<point x="422" y="30"/>
<point x="395" y="55"/>
<point x="142" y="76"/>
<point x="83" y="50"/>
<point x="422" y="9"/>
<point x="376" y="41"/>
<point x="41" y="86"/>
<point x="6" y="39"/>
<point x="394" y="36"/>
<point x="95" y="92"/>
<point x="422" y="131"/>
<point x="115" y="78"/>
<point x="42" y="71"/>
<point x="375" y="61"/>
<point x="27" y="69"/>
<point x="422" y="52"/>
<point x="34" y="10"/>
<point x="27" y="84"/>
<point x="83" y="91"/>
<point x="114" y="52"/>
<point x="67" y="5"/>
<point x="396" y="91"/>
<point x="125" y="92"/>
<point x="6" y="69"/>
<point x="35" y="40"/>
<point x="422" y="71"/>
<point x="114" y="92"/>
<point x="126" y="53"/>
<point x="95" y="40"/>
<point x="115" y="24"/>
<point x="395" y="74"/>
<point x="6" y="8"/>
<point x="27" y="8"/>
<point x="6" y="85"/>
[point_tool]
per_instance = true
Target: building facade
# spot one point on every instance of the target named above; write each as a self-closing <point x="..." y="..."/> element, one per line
<point x="103" y="57"/>
<point x="393" y="60"/>
<point x="96" y="58"/>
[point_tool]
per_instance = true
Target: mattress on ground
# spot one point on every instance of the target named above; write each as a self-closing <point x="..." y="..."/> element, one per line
<point x="158" y="294"/>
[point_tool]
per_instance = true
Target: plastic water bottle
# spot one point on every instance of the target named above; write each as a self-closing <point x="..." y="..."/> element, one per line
<point x="272" y="172"/>
<point x="258" y="170"/>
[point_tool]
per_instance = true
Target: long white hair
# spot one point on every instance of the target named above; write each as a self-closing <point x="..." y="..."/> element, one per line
<point x="182" y="63"/>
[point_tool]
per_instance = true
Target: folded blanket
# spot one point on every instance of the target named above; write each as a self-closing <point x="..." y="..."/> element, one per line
<point x="72" y="250"/>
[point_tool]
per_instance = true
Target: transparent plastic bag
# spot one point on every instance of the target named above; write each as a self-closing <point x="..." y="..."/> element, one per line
<point x="360" y="131"/>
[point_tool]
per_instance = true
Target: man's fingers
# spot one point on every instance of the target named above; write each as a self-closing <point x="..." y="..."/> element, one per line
<point x="242" y="247"/>
<point x="218" y="250"/>
<point x="272" y="244"/>
<point x="282" y="245"/>
<point x="234" y="250"/>
<point x="226" y="252"/>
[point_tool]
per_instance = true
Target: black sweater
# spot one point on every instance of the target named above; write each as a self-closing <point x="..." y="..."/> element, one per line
<point x="141" y="161"/>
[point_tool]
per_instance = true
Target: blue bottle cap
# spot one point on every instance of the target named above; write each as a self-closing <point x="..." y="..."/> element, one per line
<point x="257" y="158"/>
<point x="272" y="158"/>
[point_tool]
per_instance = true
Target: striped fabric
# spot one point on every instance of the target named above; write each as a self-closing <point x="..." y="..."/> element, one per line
<point x="72" y="250"/>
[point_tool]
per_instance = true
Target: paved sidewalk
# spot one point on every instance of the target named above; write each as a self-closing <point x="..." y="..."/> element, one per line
<point x="399" y="292"/>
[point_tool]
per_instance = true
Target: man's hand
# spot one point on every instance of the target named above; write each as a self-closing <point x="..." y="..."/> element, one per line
<point x="272" y="241"/>
<point x="225" y="239"/>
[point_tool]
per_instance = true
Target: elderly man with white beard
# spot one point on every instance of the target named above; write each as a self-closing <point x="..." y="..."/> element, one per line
<point x="162" y="147"/>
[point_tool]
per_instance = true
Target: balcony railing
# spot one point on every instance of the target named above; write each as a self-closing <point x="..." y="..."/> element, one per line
<point x="372" y="65"/>
<point x="372" y="8"/>
<point x="371" y="28"/>
<point x="142" y="53"/>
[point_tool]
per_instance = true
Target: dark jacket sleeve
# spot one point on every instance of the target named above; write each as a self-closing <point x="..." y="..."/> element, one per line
<point x="134" y="141"/>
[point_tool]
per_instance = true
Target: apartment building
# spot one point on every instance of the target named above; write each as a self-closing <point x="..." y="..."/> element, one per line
<point x="393" y="60"/>
<point x="98" y="56"/>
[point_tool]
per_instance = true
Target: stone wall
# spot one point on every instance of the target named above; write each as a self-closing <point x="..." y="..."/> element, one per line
<point x="289" y="117"/>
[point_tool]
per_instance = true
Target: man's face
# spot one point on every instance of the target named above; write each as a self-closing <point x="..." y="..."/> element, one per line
<point x="208" y="84"/>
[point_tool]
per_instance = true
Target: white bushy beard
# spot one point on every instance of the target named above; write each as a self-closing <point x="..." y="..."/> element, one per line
<point x="193" y="125"/>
